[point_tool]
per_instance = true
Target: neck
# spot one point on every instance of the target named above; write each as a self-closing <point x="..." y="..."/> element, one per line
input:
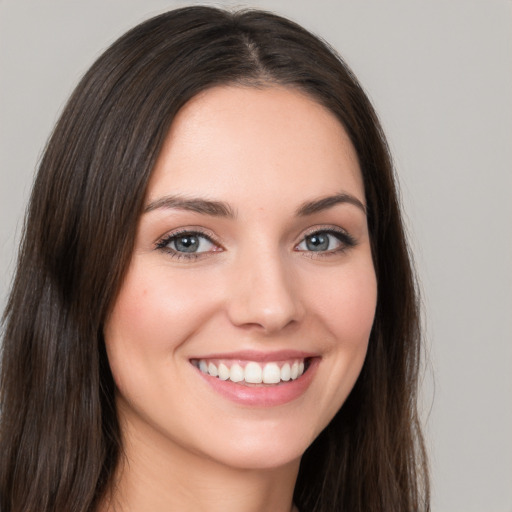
<point x="158" y="475"/>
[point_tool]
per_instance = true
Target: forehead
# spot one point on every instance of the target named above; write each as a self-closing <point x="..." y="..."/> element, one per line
<point x="248" y="142"/>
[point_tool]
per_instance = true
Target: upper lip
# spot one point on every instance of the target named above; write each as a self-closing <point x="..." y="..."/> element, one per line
<point x="255" y="355"/>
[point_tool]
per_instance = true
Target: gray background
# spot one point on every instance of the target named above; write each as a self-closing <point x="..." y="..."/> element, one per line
<point x="440" y="76"/>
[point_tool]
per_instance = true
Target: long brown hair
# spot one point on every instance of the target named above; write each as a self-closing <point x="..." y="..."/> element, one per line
<point x="59" y="434"/>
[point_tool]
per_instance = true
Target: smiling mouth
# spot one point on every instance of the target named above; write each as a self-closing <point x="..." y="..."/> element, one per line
<point x="251" y="373"/>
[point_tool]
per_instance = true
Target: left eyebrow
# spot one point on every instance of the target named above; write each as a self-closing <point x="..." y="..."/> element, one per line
<point x="193" y="204"/>
<point x="323" y="203"/>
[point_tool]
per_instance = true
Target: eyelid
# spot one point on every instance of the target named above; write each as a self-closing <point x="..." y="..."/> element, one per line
<point x="161" y="242"/>
<point x="325" y="228"/>
<point x="346" y="239"/>
<point x="197" y="230"/>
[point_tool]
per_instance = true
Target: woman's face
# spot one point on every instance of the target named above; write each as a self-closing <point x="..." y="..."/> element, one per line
<point x="251" y="263"/>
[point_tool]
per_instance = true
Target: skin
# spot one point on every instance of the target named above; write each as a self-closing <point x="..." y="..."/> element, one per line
<point x="264" y="152"/>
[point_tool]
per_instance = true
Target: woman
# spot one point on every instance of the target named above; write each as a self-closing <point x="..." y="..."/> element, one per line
<point x="214" y="305"/>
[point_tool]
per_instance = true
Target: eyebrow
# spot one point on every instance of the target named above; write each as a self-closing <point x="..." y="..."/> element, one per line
<point x="323" y="203"/>
<point x="221" y="209"/>
<point x="192" y="204"/>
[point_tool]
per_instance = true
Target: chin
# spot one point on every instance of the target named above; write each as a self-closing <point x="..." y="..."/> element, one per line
<point x="267" y="445"/>
<point x="259" y="455"/>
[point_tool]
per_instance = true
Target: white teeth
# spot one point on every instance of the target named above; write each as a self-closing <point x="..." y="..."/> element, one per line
<point x="253" y="373"/>
<point x="294" y="373"/>
<point x="271" y="373"/>
<point x="223" y="372"/>
<point x="237" y="373"/>
<point x="212" y="370"/>
<point x="285" y="372"/>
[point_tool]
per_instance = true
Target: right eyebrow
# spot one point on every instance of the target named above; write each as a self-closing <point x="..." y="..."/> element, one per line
<point x="193" y="204"/>
<point x="327" y="202"/>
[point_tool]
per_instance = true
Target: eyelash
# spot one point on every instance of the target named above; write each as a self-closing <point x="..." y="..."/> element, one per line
<point x="163" y="244"/>
<point x="345" y="239"/>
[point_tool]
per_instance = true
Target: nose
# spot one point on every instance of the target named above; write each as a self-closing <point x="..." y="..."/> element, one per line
<point x="263" y="294"/>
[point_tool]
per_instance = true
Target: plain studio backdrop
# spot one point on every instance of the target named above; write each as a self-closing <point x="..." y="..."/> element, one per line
<point x="440" y="76"/>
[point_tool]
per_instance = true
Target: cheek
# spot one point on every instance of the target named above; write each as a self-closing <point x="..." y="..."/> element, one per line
<point x="347" y="312"/>
<point x="347" y="305"/>
<point x="156" y="309"/>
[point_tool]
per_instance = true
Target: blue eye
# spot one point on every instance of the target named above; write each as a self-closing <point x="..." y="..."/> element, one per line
<point x="187" y="243"/>
<point x="326" y="241"/>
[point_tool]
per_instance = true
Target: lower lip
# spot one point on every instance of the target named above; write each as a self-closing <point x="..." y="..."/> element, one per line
<point x="264" y="395"/>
